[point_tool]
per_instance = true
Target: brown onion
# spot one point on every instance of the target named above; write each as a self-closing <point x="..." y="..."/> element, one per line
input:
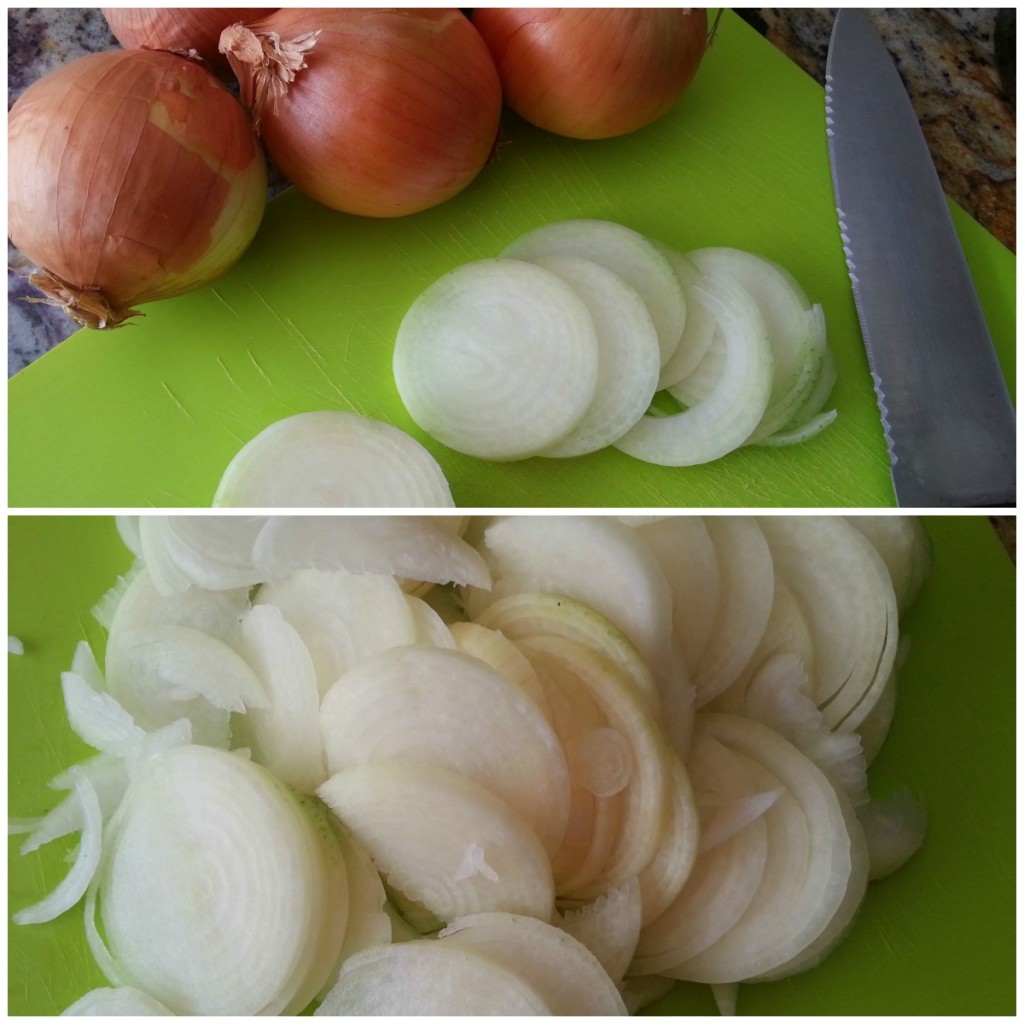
<point x="178" y="29"/>
<point x="133" y="175"/>
<point x="378" y="112"/>
<point x="593" y="73"/>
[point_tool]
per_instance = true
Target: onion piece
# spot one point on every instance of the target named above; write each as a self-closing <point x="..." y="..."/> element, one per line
<point x="167" y="203"/>
<point x="116" y="1002"/>
<point x="895" y="828"/>
<point x="417" y="548"/>
<point x="440" y="707"/>
<point x="905" y="548"/>
<point x="332" y="459"/>
<point x="425" y="977"/>
<point x="96" y="718"/>
<point x="731" y="411"/>
<point x="569" y="978"/>
<point x="498" y="358"/>
<point x="609" y="926"/>
<point x="87" y="860"/>
<point x="635" y="258"/>
<point x="342" y="617"/>
<point x="699" y="329"/>
<point x="628" y="355"/>
<point x="416" y="821"/>
<point x="192" y="900"/>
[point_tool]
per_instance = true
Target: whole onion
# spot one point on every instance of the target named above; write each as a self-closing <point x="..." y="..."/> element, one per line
<point x="178" y="28"/>
<point x="378" y="112"/>
<point x="133" y="175"/>
<point x="593" y="73"/>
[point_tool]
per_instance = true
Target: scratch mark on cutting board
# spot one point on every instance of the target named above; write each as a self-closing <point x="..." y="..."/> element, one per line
<point x="227" y="305"/>
<point x="315" y="357"/>
<point x="259" y="369"/>
<point x="228" y="374"/>
<point x="177" y="401"/>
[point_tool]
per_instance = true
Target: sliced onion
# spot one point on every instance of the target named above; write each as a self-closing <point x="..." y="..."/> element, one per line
<point x="418" y="548"/>
<point x="569" y="978"/>
<point x="96" y="718"/>
<point x="609" y="926"/>
<point x="699" y="329"/>
<point x="628" y="355"/>
<point x="733" y="408"/>
<point x="116" y="1002"/>
<point x="73" y="886"/>
<point x="636" y="259"/>
<point x="332" y="459"/>
<point x="498" y="359"/>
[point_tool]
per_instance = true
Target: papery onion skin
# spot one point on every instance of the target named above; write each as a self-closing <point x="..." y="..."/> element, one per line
<point x="133" y="175"/>
<point x="593" y="73"/>
<point x="394" y="111"/>
<point x="179" y="29"/>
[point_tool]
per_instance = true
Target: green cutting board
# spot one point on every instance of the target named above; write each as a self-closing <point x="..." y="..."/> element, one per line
<point x="935" y="938"/>
<point x="151" y="414"/>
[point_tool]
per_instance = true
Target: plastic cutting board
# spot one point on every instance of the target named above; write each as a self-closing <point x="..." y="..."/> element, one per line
<point x="936" y="938"/>
<point x="151" y="414"/>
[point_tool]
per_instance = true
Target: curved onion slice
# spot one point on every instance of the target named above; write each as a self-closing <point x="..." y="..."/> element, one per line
<point x="96" y="718"/>
<point x="417" y="822"/>
<point x="342" y="616"/>
<point x="569" y="978"/>
<point x="426" y="977"/>
<point x="441" y="707"/>
<point x="497" y="650"/>
<point x="191" y="896"/>
<point x="792" y="328"/>
<point x="699" y="330"/>
<point x="854" y="627"/>
<point x="498" y="359"/>
<point x="87" y="860"/>
<point x="592" y="559"/>
<point x="733" y="407"/>
<point x="333" y="459"/>
<point x="116" y="1002"/>
<point x="413" y="547"/>
<point x="285" y="736"/>
<point x="905" y="548"/>
<point x="636" y="259"/>
<point x="628" y="355"/>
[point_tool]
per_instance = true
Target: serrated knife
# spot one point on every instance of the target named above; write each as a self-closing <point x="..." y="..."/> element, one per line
<point x="946" y="411"/>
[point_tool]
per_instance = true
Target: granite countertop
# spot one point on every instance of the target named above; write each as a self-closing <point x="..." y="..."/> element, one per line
<point x="948" y="58"/>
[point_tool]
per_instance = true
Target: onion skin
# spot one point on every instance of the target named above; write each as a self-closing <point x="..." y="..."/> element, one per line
<point x="593" y="73"/>
<point x="390" y="111"/>
<point x="178" y="29"/>
<point x="133" y="176"/>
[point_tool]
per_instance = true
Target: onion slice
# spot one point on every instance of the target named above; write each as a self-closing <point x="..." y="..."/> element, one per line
<point x="332" y="459"/>
<point x="497" y="359"/>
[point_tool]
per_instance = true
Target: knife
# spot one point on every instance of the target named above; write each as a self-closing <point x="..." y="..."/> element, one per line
<point x="947" y="415"/>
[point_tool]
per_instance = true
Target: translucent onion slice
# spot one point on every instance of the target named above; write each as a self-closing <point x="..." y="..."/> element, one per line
<point x="635" y="258"/>
<point x="497" y="359"/>
<point x="333" y="459"/>
<point x="116" y="1002"/>
<point x="285" y="736"/>
<point x="747" y="586"/>
<point x="699" y="330"/>
<point x="594" y="560"/>
<point x="191" y="896"/>
<point x="497" y="650"/>
<point x="628" y="355"/>
<point x="412" y="547"/>
<point x="96" y="718"/>
<point x="609" y="926"/>
<point x="732" y="409"/>
<point x="792" y="329"/>
<point x="442" y="707"/>
<point x="417" y="821"/>
<point x="87" y="860"/>
<point x="569" y="978"/>
<point x="342" y="617"/>
<point x="425" y="977"/>
<point x="905" y="548"/>
<point x="724" y="878"/>
<point x="855" y="627"/>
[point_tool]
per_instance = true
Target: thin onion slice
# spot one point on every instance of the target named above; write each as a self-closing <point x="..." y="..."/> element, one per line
<point x="116" y="1002"/>
<point x="628" y="355"/>
<point x="497" y="359"/>
<point x="635" y="258"/>
<point x="332" y="459"/>
<point x="732" y="409"/>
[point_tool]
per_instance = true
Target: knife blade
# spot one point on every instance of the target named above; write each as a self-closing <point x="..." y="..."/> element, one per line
<point x="946" y="411"/>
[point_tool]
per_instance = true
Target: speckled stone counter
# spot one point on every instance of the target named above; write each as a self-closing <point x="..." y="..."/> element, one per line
<point x="948" y="58"/>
